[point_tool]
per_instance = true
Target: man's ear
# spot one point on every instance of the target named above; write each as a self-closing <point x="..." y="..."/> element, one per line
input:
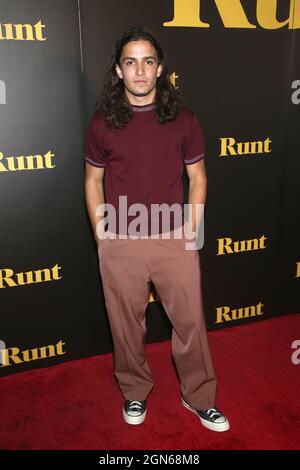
<point x="159" y="70"/>
<point x="119" y="71"/>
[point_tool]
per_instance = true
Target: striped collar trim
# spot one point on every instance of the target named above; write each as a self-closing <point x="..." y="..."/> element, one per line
<point x="144" y="107"/>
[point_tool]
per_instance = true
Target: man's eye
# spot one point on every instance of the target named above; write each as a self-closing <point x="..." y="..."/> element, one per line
<point x="129" y="62"/>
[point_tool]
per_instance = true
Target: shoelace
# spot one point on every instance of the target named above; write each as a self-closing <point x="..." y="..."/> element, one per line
<point x="213" y="413"/>
<point x="135" y="404"/>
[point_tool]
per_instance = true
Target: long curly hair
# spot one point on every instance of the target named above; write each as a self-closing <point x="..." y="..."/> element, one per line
<point x="113" y="101"/>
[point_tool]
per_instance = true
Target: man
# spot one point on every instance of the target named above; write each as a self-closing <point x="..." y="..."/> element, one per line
<point x="139" y="138"/>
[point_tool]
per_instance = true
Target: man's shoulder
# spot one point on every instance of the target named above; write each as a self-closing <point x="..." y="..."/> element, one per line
<point x="97" y="122"/>
<point x="186" y="113"/>
<point x="185" y="117"/>
<point x="98" y="117"/>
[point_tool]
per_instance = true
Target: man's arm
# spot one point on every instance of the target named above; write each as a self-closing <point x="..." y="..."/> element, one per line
<point x="94" y="194"/>
<point x="197" y="192"/>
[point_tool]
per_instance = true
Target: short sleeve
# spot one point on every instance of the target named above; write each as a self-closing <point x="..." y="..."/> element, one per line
<point x="194" y="145"/>
<point x="94" y="148"/>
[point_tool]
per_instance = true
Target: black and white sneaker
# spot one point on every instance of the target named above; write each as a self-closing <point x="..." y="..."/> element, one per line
<point x="134" y="411"/>
<point x="211" y="418"/>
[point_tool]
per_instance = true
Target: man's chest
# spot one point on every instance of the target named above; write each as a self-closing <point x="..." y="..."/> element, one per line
<point x="142" y="147"/>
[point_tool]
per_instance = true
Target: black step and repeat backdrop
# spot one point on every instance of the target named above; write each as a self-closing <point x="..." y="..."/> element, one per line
<point x="236" y="63"/>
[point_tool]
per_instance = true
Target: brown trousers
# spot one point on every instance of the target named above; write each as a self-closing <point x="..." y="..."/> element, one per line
<point x="126" y="267"/>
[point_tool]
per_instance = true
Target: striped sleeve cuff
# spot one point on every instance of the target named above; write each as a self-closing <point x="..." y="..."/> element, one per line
<point x="195" y="159"/>
<point x="92" y="162"/>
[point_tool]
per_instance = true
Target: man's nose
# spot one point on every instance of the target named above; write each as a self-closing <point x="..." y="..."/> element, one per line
<point x="140" y="69"/>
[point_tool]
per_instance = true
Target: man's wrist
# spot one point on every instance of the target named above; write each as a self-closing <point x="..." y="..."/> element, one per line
<point x="188" y="231"/>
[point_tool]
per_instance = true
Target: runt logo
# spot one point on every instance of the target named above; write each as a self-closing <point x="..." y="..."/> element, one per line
<point x="10" y="356"/>
<point x="225" y="314"/>
<point x="229" y="146"/>
<point x="22" y="32"/>
<point x="26" y="162"/>
<point x="187" y="13"/>
<point x="228" y="246"/>
<point x="8" y="278"/>
<point x="2" y="92"/>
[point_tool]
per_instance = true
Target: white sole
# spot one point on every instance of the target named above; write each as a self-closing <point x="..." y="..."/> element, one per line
<point x="213" y="427"/>
<point x="134" y="419"/>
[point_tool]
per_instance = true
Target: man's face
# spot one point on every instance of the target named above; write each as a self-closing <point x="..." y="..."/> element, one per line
<point x="139" y="69"/>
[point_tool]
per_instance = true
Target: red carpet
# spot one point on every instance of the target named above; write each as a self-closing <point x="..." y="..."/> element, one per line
<point x="77" y="405"/>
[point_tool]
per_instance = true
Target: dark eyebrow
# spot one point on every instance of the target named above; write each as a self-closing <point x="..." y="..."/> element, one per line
<point x="133" y="58"/>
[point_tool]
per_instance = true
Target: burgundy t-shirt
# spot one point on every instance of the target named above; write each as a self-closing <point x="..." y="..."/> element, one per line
<point x="144" y="161"/>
